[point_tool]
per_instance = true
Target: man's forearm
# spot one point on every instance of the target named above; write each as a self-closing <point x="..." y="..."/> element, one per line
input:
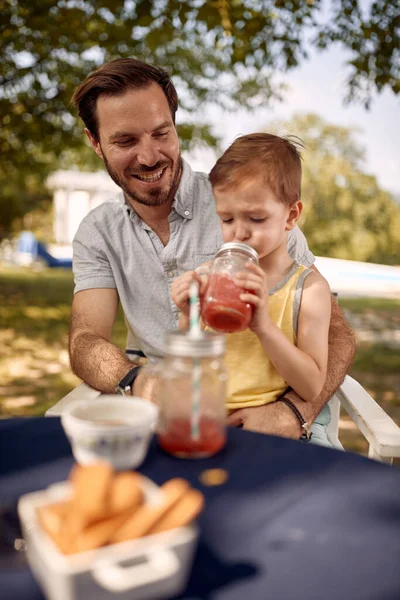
<point x="342" y="346"/>
<point x="98" y="362"/>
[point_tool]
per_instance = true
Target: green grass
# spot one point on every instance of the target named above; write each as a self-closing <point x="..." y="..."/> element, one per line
<point x="360" y="305"/>
<point x="34" y="320"/>
<point x="378" y="359"/>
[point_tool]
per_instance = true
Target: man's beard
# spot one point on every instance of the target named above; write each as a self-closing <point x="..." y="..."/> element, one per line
<point x="154" y="197"/>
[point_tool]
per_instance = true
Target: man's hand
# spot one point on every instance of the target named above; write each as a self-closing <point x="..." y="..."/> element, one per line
<point x="148" y="384"/>
<point x="274" y="419"/>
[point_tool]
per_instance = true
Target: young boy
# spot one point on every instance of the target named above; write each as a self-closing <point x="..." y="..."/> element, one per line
<point x="256" y="185"/>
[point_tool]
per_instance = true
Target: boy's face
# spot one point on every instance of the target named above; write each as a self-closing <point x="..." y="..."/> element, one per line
<point x="251" y="213"/>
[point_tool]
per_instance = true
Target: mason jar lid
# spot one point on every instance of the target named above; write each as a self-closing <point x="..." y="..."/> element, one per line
<point x="238" y="247"/>
<point x="206" y="344"/>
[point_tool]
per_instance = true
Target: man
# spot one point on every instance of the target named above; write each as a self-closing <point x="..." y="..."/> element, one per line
<point x="162" y="224"/>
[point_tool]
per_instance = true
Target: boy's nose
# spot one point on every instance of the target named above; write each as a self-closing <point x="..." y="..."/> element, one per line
<point x="241" y="234"/>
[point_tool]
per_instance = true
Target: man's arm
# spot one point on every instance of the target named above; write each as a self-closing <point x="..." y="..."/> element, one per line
<point x="277" y="418"/>
<point x="93" y="357"/>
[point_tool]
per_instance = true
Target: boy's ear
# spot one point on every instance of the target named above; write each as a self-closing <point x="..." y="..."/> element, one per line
<point x="294" y="215"/>
<point x="94" y="143"/>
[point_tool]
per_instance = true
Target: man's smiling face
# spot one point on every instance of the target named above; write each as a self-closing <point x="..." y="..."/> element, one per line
<point x="139" y="144"/>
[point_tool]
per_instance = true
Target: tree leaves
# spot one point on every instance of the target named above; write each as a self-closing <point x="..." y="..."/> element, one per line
<point x="374" y="42"/>
<point x="346" y="214"/>
<point x="223" y="52"/>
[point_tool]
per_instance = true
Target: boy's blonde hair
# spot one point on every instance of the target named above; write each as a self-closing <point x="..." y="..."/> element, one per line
<point x="277" y="159"/>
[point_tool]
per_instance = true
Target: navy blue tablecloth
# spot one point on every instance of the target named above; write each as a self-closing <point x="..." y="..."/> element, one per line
<point x="292" y="521"/>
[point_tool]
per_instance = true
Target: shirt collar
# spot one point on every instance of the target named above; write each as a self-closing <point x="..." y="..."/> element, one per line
<point x="183" y="201"/>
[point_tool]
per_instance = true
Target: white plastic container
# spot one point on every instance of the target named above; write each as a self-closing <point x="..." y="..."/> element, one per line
<point x="114" y="428"/>
<point x="152" y="567"/>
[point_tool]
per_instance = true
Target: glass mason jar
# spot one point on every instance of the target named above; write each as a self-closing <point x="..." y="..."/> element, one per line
<point x="192" y="419"/>
<point x="221" y="306"/>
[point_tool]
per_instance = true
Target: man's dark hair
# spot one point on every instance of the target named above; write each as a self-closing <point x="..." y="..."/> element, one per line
<point x="115" y="78"/>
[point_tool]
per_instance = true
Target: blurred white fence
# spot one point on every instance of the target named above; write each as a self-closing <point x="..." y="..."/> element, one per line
<point x="351" y="278"/>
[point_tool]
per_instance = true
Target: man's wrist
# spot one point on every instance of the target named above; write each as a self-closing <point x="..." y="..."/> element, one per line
<point x="126" y="384"/>
<point x="136" y="388"/>
<point x="302" y="423"/>
<point x="291" y="423"/>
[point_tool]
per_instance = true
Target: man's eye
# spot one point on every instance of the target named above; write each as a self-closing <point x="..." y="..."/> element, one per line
<point x="161" y="134"/>
<point x="125" y="142"/>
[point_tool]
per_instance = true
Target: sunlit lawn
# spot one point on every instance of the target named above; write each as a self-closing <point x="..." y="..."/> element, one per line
<point x="34" y="317"/>
<point x="34" y="368"/>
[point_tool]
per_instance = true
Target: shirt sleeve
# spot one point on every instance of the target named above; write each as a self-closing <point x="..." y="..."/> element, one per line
<point x="90" y="263"/>
<point x="298" y="248"/>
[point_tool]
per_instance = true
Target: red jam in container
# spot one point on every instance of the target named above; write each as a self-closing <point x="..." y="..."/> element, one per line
<point x="222" y="309"/>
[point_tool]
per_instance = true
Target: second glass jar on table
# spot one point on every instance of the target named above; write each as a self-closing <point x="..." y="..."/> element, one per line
<point x="191" y="398"/>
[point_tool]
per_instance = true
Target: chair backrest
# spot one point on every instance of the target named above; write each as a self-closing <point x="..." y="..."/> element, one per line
<point x="332" y="429"/>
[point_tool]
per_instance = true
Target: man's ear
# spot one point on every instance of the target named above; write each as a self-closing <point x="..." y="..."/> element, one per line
<point x="294" y="215"/>
<point x="94" y="143"/>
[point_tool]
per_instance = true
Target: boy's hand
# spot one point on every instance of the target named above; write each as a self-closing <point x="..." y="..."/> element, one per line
<point x="254" y="281"/>
<point x="180" y="290"/>
<point x="203" y="271"/>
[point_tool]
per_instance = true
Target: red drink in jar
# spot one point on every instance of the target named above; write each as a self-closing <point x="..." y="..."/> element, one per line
<point x="178" y="441"/>
<point x="222" y="309"/>
<point x="192" y="417"/>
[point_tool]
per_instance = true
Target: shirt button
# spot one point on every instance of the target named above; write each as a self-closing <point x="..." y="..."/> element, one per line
<point x="170" y="273"/>
<point x="187" y="213"/>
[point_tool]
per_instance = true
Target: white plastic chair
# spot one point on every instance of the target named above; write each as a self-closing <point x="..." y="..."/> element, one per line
<point x="381" y="432"/>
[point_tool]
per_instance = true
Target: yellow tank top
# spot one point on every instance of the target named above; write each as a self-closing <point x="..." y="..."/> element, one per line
<point x="252" y="378"/>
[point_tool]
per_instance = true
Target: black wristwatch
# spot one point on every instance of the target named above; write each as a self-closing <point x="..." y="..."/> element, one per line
<point x="307" y="434"/>
<point x="126" y="384"/>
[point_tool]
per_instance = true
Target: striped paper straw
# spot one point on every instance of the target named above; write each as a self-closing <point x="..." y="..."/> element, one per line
<point x="194" y="325"/>
<point x="195" y="331"/>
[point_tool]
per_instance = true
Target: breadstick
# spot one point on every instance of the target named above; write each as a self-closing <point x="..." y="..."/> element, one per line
<point x="92" y="484"/>
<point x="89" y="503"/>
<point x="182" y="513"/>
<point x="124" y="498"/>
<point x="147" y="515"/>
<point x="51" y="516"/>
<point x="126" y="492"/>
<point x="98" y="534"/>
